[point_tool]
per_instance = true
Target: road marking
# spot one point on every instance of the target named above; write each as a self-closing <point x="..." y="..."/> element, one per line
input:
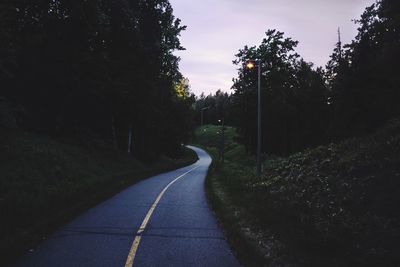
<point x="136" y="242"/>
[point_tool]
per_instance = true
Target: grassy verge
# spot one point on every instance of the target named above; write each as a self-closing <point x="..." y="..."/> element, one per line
<point x="44" y="183"/>
<point x="334" y="205"/>
<point x="253" y="245"/>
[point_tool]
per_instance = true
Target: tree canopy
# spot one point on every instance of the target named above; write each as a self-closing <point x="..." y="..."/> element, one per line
<point x="293" y="96"/>
<point x="305" y="106"/>
<point x="365" y="86"/>
<point x="104" y="68"/>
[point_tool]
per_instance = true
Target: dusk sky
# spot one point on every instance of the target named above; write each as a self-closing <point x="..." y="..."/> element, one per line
<point x="218" y="29"/>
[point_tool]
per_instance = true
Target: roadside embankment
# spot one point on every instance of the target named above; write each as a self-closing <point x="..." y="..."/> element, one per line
<point x="334" y="205"/>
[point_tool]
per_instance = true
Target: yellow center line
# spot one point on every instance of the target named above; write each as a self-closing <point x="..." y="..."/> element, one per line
<point x="136" y="242"/>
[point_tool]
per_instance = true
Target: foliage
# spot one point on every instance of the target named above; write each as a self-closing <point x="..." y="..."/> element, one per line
<point x="364" y="84"/>
<point x="293" y="97"/>
<point x="215" y="107"/>
<point x="225" y="190"/>
<point x="306" y="107"/>
<point x="334" y="205"/>
<point x="101" y="67"/>
<point x="339" y="197"/>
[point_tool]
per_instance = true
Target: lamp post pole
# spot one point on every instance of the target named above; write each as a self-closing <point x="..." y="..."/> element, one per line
<point x="250" y="65"/>
<point x="259" y="121"/>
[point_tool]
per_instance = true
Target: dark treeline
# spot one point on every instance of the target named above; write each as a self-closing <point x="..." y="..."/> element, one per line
<point x="214" y="108"/>
<point x="95" y="69"/>
<point x="304" y="106"/>
<point x="363" y="77"/>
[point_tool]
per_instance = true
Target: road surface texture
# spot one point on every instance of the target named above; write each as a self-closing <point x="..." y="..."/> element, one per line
<point x="162" y="221"/>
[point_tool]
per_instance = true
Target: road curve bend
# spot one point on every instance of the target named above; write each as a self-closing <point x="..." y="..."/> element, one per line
<point x="161" y="221"/>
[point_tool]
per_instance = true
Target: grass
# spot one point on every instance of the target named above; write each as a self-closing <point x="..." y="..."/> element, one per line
<point x="46" y="182"/>
<point x="334" y="205"/>
<point x="223" y="187"/>
<point x="209" y="137"/>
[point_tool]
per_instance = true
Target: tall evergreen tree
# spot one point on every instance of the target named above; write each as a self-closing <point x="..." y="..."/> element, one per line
<point x="365" y="87"/>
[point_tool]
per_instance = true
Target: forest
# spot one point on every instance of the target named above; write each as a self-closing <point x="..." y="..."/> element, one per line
<point x="95" y="70"/>
<point x="107" y="70"/>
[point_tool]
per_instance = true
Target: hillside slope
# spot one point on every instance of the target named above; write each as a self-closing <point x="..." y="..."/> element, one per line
<point x="334" y="205"/>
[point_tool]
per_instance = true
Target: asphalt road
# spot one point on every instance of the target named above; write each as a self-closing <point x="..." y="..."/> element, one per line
<point x="162" y="221"/>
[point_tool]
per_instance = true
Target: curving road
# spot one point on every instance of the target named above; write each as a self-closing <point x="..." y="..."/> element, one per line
<point x="162" y="221"/>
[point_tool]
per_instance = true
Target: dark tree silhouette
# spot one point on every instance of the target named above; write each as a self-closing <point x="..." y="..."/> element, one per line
<point x="215" y="107"/>
<point x="294" y="99"/>
<point x="365" y="83"/>
<point x="96" y="69"/>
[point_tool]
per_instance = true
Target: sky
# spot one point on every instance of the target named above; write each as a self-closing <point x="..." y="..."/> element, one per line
<point x="217" y="29"/>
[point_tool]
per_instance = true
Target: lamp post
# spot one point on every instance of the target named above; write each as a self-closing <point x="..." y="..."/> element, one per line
<point x="202" y="115"/>
<point x="222" y="145"/>
<point x="251" y="64"/>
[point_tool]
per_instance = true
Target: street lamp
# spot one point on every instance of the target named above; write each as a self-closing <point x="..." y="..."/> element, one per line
<point x="202" y="115"/>
<point x="251" y="64"/>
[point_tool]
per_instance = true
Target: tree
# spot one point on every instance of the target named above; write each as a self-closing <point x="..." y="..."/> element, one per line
<point x="100" y="68"/>
<point x="291" y="94"/>
<point x="365" y="87"/>
<point x="215" y="107"/>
